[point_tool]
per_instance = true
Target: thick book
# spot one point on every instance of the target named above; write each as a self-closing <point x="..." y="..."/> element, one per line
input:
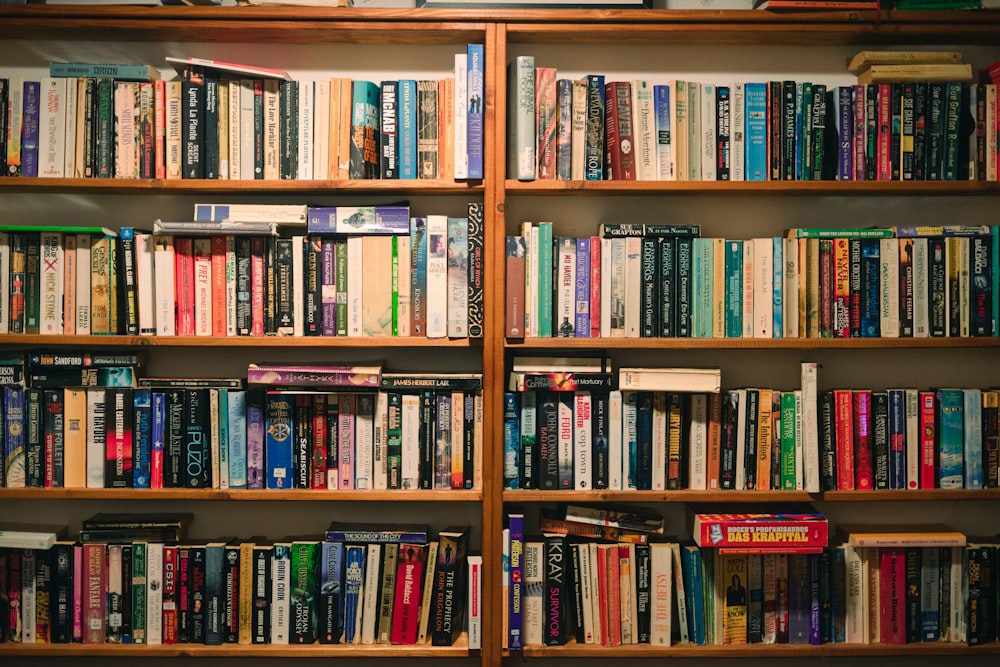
<point x="791" y="532"/>
<point x="705" y="380"/>
<point x="903" y="535"/>
<point x="449" y="595"/>
<point x="15" y="535"/>
<point x="340" y="531"/>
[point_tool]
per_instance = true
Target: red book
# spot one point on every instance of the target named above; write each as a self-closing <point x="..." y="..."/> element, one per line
<point x="203" y="286"/>
<point x="780" y="532"/>
<point x="928" y="441"/>
<point x="257" y="286"/>
<point x="408" y="594"/>
<point x="219" y="311"/>
<point x="883" y="141"/>
<point x="595" y="286"/>
<point x="619" y="142"/>
<point x="864" y="469"/>
<point x="844" y="438"/>
<point x="547" y="121"/>
<point x="614" y="598"/>
<point x="892" y="595"/>
<point x="169" y="594"/>
<point x="319" y="446"/>
<point x="841" y="288"/>
<point x="95" y="573"/>
<point x="602" y="591"/>
<point x="184" y="284"/>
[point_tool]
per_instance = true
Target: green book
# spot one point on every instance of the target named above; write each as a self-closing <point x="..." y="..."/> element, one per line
<point x="304" y="614"/>
<point x="139" y="550"/>
<point x="788" y="461"/>
<point x="544" y="279"/>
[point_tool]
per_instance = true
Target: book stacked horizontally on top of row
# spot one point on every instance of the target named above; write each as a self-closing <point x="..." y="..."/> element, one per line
<point x="899" y="66"/>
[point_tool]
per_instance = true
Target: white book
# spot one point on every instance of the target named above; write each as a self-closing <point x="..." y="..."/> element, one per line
<point x="298" y="285"/>
<point x="272" y="136"/>
<point x="661" y="559"/>
<point x="5" y="283"/>
<point x="531" y="281"/>
<point x="633" y="598"/>
<point x="708" y="132"/>
<point x="70" y="134"/>
<point x="163" y="268"/>
<point x="437" y="276"/>
<point x="404" y="273"/>
<point x="582" y="432"/>
<point x="29" y="600"/>
<point x="203" y="286"/>
<point x="474" y="604"/>
<point x="370" y="602"/>
<point x="889" y="287"/>
<point x="698" y="442"/>
<point x="615" y="441"/>
<point x="126" y="155"/>
<point x="565" y="277"/>
<point x="533" y="562"/>
<point x="305" y="167"/>
<point x="921" y="304"/>
<point x="606" y="288"/>
<point x="737" y="139"/>
<point x="83" y="245"/>
<point x="964" y="299"/>
<point x="790" y="300"/>
<point x="235" y="156"/>
<point x="52" y="127"/>
<point x="95" y="437"/>
<point x="145" y="284"/>
<point x="763" y="295"/>
<point x="856" y="604"/>
<point x="380" y="442"/>
<point x="644" y="130"/>
<point x="956" y="620"/>
<point x="321" y="128"/>
<point x="281" y="581"/>
<point x="741" y="436"/>
<point x="246" y="141"/>
<point x="173" y="134"/>
<point x="355" y="276"/>
<point x="231" y="293"/>
<point x="154" y="593"/>
<point x="50" y="315"/>
<point x="810" y="426"/>
<point x="461" y="115"/>
<point x="410" y="456"/>
<point x="748" y="288"/>
<point x="659" y="476"/>
<point x="633" y="287"/>
<point x="911" y="405"/>
<point x="578" y="133"/>
<point x="458" y="277"/>
<point x="364" y="434"/>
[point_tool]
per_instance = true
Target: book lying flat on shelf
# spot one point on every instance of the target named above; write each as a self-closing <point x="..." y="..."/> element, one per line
<point x="233" y="68"/>
<point x="15" y="535"/>
<point x="795" y="533"/>
<point x="631" y="518"/>
<point x="941" y="72"/>
<point x="198" y="228"/>
<point x="903" y="535"/>
<point x="119" y="72"/>
<point x="670" y="379"/>
<point x="318" y="374"/>
<point x="864" y="59"/>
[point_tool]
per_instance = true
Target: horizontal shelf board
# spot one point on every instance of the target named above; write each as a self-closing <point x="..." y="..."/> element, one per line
<point x="573" y="650"/>
<point x="692" y="496"/>
<point x="459" y="650"/>
<point x="749" y="343"/>
<point x="197" y="186"/>
<point x="408" y="495"/>
<point x="783" y="188"/>
<point x="234" y="341"/>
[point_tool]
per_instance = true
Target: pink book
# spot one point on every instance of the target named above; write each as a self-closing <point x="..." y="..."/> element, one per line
<point x="346" y="440"/>
<point x="184" y="285"/>
<point x="844" y="431"/>
<point x="219" y="311"/>
<point x="78" y="593"/>
<point x="408" y="594"/>
<point x="595" y="286"/>
<point x="95" y="574"/>
<point x="864" y="470"/>
<point x="160" y="128"/>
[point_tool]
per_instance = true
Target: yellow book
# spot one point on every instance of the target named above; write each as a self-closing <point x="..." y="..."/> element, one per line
<point x="864" y="59"/>
<point x="376" y="287"/>
<point x="916" y="72"/>
<point x="903" y="535"/>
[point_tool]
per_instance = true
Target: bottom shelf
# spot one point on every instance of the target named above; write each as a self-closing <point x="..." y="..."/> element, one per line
<point x="574" y="650"/>
<point x="459" y="649"/>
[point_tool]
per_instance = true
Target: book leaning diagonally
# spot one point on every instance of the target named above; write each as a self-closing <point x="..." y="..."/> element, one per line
<point x="235" y="68"/>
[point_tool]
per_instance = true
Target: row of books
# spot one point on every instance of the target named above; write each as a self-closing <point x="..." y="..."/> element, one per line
<point x="362" y="590"/>
<point x="635" y="280"/>
<point x="668" y="592"/>
<point x="419" y="432"/>
<point x="596" y="128"/>
<point x="424" y="279"/>
<point x="123" y="121"/>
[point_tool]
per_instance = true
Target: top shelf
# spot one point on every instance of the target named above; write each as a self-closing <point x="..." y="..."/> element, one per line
<point x="430" y="26"/>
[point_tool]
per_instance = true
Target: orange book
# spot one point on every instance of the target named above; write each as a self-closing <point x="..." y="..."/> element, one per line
<point x="764" y="439"/>
<point x="219" y="310"/>
<point x="446" y="128"/>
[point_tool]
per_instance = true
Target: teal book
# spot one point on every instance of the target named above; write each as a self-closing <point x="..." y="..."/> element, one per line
<point x="407" y="128"/>
<point x="755" y="134"/>
<point x="544" y="279"/>
<point x="365" y="127"/>
<point x="734" y="289"/>
<point x="237" y="445"/>
<point x="777" y="280"/>
<point x="951" y="423"/>
<point x="521" y="162"/>
<point x="701" y="288"/>
<point x="118" y="72"/>
<point x="691" y="570"/>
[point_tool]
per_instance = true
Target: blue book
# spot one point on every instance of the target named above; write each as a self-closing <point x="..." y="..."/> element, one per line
<point x="515" y="603"/>
<point x="157" y="435"/>
<point x="365" y="129"/>
<point x="29" y="128"/>
<point x="255" y="440"/>
<point x="511" y="441"/>
<point x="278" y="430"/>
<point x="544" y="279"/>
<point x="354" y="584"/>
<point x="870" y="325"/>
<point x="582" y="328"/>
<point x="930" y="590"/>
<point x="799" y="599"/>
<point x="800" y="143"/>
<point x="407" y="128"/>
<point x="142" y="450"/>
<point x="777" y="280"/>
<point x="630" y="438"/>
<point x="815" y="601"/>
<point x="897" y="439"/>
<point x="691" y="570"/>
<point x="701" y="287"/>
<point x="664" y="147"/>
<point x="331" y="593"/>
<point x="755" y="135"/>
<point x="594" y="166"/>
<point x="973" y="438"/>
<point x="476" y="106"/>
<point x="951" y="438"/>
<point x="734" y="289"/>
<point x="237" y="444"/>
<point x="222" y="436"/>
<point x="644" y="440"/>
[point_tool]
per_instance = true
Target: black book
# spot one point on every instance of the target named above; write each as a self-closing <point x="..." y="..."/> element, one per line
<point x="981" y="608"/>
<point x="819" y="132"/>
<point x="198" y="605"/>
<point x="449" y="595"/>
<point x="600" y="437"/>
<point x="425" y="438"/>
<point x="643" y="593"/>
<point x="727" y="448"/>
<point x="548" y="440"/>
<point x="61" y="596"/>
<point x="313" y="315"/>
<point x="722" y="133"/>
<point x="258" y="128"/>
<point x="880" y="437"/>
<point x="104" y="129"/>
<point x="4" y="96"/>
<point x="935" y="130"/>
<point x="197" y="440"/>
<point x="126" y="277"/>
<point x="920" y="122"/>
<point x="896" y="136"/>
<point x="231" y="591"/>
<point x="576" y="624"/>
<point x="244" y="322"/>
<point x="980" y="286"/>
<point x="556" y="606"/>
<point x="750" y="442"/>
<point x="182" y="594"/>
<point x="288" y="124"/>
<point x="285" y="299"/>
<point x="32" y="282"/>
<point x="938" y="286"/>
<point x="788" y="94"/>
<point x="126" y="598"/>
<point x="914" y="556"/>
<point x="260" y="611"/>
<point x="827" y="441"/>
<point x="53" y="433"/>
<point x="211" y="129"/>
<point x="684" y="249"/>
<point x="302" y="442"/>
<point x="907" y="166"/>
<point x="854" y="277"/>
<point x="193" y="122"/>
<point x="130" y="520"/>
<point x="528" y="455"/>
<point x="214" y="596"/>
<point x="270" y="286"/>
<point x="666" y="263"/>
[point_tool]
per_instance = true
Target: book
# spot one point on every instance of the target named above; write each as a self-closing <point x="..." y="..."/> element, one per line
<point x="15" y="535"/>
<point x="340" y="531"/>
<point x="231" y="68"/>
<point x="314" y="374"/>
<point x="706" y="380"/>
<point x="912" y="535"/>
<point x="867" y="58"/>
<point x="789" y="532"/>
<point x="879" y="73"/>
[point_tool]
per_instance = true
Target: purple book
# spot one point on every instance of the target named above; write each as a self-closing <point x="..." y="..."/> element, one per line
<point x="29" y="128"/>
<point x="814" y="599"/>
<point x="582" y="328"/>
<point x="255" y="440"/>
<point x="314" y="375"/>
<point x="799" y="602"/>
<point x="386" y="219"/>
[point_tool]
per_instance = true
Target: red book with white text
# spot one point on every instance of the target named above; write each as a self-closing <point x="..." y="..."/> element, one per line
<point x="844" y="438"/>
<point x="928" y="440"/>
<point x="786" y="532"/>
<point x="892" y="595"/>
<point x="864" y="463"/>
<point x="619" y="143"/>
<point x="408" y="593"/>
<point x="169" y="628"/>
